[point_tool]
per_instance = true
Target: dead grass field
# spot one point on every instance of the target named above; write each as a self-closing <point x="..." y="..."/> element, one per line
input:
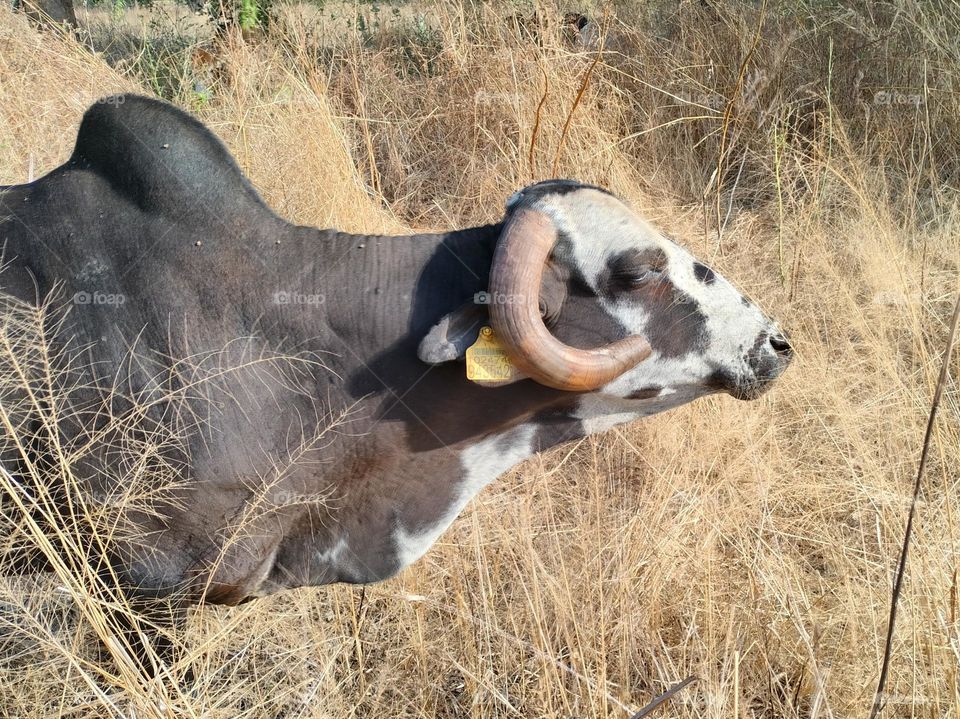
<point x="812" y="155"/>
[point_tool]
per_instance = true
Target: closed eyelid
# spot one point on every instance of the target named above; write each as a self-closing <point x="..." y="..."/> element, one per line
<point x="642" y="274"/>
<point x="639" y="261"/>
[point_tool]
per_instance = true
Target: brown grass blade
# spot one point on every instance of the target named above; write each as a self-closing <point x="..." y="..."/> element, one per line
<point x="659" y="701"/>
<point x="908" y="532"/>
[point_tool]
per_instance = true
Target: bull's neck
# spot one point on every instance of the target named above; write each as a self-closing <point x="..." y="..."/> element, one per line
<point x="394" y="290"/>
<point x="387" y="289"/>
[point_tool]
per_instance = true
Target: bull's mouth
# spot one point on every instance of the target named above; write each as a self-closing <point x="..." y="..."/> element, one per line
<point x="751" y="390"/>
<point x="748" y="386"/>
<point x="769" y="357"/>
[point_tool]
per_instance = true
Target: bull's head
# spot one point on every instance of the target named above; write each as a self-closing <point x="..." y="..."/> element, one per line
<point x="589" y="297"/>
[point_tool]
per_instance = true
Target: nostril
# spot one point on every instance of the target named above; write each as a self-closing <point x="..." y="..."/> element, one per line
<point x="780" y="345"/>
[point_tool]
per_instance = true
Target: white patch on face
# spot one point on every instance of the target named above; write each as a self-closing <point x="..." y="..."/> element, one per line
<point x="599" y="415"/>
<point x="480" y="464"/>
<point x="599" y="226"/>
<point x="599" y="412"/>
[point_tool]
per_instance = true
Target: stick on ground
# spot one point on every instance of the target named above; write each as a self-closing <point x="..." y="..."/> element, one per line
<point x="901" y="567"/>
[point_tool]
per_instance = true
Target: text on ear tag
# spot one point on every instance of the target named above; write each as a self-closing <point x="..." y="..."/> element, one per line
<point x="488" y="362"/>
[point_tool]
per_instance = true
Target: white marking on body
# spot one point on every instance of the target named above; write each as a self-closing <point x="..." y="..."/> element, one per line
<point x="331" y="558"/>
<point x="332" y="555"/>
<point x="481" y="464"/>
<point x="92" y="269"/>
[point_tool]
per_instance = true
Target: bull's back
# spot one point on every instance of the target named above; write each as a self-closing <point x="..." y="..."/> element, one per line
<point x="150" y="212"/>
<point x="164" y="161"/>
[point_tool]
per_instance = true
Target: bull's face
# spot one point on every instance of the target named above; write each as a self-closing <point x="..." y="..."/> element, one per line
<point x="604" y="303"/>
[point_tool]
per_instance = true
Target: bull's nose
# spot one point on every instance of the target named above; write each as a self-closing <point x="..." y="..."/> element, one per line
<point x="781" y="345"/>
<point x="767" y="359"/>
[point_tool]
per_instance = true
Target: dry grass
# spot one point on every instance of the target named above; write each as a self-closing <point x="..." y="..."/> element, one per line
<point x="751" y="545"/>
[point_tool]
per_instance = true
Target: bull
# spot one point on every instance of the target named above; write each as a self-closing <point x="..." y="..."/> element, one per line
<point x="299" y="398"/>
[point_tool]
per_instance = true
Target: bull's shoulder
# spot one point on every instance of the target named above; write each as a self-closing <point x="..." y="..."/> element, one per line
<point x="162" y="159"/>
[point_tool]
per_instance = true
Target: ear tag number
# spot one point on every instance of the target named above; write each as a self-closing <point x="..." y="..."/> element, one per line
<point x="488" y="363"/>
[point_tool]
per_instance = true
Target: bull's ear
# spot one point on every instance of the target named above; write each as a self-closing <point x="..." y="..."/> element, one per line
<point x="449" y="339"/>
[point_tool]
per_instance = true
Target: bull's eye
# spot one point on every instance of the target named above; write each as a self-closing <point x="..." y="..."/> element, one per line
<point x="636" y="278"/>
<point x="636" y="268"/>
<point x="644" y="276"/>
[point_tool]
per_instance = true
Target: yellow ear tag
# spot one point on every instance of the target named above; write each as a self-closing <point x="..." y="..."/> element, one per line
<point x="488" y="363"/>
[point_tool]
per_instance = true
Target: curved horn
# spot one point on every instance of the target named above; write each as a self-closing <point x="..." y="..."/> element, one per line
<point x="515" y="275"/>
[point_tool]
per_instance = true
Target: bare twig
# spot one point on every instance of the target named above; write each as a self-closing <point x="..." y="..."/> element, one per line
<point x="901" y="567"/>
<point x="658" y="702"/>
<point x="576" y="103"/>
<point x="728" y="116"/>
<point x="536" y="122"/>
